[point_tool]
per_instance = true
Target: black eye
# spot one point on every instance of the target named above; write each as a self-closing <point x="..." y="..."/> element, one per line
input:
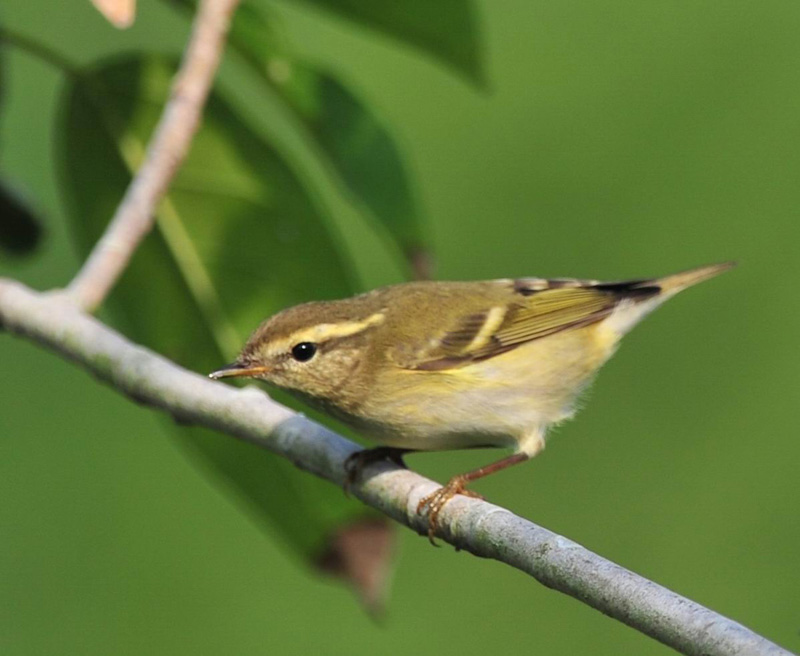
<point x="304" y="351"/>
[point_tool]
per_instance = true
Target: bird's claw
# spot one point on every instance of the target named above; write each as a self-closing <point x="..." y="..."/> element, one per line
<point x="356" y="462"/>
<point x="436" y="501"/>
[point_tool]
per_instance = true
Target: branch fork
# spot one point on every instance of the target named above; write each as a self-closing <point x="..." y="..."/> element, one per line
<point x="473" y="525"/>
<point x="136" y="213"/>
<point x="249" y="414"/>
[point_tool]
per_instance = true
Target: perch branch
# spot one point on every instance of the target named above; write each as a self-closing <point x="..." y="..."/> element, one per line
<point x="166" y="151"/>
<point x="472" y="525"/>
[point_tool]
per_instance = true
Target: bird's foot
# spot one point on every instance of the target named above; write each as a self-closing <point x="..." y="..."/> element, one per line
<point x="356" y="462"/>
<point x="436" y="501"/>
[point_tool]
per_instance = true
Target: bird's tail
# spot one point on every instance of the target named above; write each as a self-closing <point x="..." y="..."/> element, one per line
<point x="677" y="282"/>
<point x="644" y="296"/>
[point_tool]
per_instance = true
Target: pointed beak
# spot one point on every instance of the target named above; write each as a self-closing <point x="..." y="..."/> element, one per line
<point x="237" y="370"/>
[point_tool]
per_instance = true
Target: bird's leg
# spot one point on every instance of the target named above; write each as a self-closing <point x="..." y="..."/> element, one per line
<point x="360" y="459"/>
<point x="457" y="485"/>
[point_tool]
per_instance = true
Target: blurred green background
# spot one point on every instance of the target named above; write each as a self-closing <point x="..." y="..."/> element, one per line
<point x="618" y="139"/>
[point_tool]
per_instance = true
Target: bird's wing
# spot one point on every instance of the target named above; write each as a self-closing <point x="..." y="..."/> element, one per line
<point x="534" y="309"/>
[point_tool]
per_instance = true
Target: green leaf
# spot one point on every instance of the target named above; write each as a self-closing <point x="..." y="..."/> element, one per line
<point x="348" y="137"/>
<point x="446" y="29"/>
<point x="20" y="230"/>
<point x="236" y="238"/>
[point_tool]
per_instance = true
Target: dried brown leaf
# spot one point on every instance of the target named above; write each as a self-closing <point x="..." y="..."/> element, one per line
<point x="361" y="553"/>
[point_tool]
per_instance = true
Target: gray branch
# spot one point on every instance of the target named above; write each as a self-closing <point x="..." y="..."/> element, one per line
<point x="476" y="526"/>
<point x="167" y="149"/>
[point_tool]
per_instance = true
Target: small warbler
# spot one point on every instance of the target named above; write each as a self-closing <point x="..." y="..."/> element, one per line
<point x="424" y="366"/>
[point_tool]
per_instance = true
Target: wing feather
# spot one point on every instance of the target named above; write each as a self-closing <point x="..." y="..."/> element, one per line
<point x="529" y="315"/>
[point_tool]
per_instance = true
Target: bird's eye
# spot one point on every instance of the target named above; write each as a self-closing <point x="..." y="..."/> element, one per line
<point x="304" y="351"/>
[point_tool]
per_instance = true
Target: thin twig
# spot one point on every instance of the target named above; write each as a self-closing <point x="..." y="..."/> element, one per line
<point x="166" y="151"/>
<point x="470" y="524"/>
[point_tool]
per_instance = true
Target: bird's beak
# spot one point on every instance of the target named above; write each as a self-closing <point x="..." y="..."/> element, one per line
<point x="237" y="370"/>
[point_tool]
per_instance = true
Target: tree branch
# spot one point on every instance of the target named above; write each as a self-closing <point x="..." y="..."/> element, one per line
<point x="476" y="526"/>
<point x="166" y="151"/>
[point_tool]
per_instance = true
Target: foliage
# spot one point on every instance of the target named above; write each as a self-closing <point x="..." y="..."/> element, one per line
<point x="621" y="139"/>
<point x="241" y="233"/>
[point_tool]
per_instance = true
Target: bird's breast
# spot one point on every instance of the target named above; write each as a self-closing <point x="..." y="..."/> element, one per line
<point x="493" y="402"/>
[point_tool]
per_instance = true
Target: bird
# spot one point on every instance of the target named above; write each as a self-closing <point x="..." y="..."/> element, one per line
<point x="437" y="365"/>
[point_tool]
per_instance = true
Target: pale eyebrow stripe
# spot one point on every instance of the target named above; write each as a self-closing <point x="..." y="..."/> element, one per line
<point x="327" y="331"/>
